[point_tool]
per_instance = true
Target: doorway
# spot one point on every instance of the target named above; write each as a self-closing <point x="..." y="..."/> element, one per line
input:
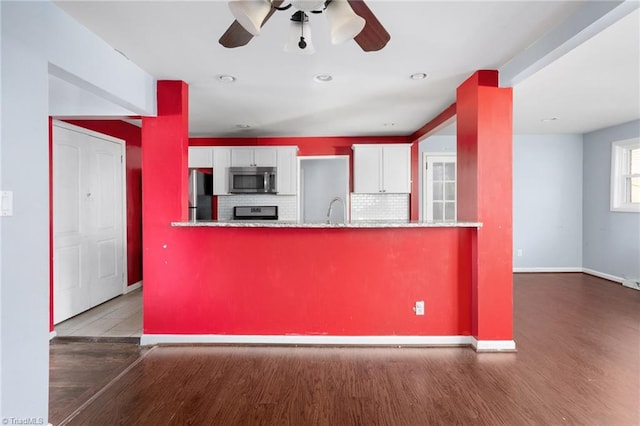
<point x="89" y="205"/>
<point x="439" y="187"/>
<point x="323" y="182"/>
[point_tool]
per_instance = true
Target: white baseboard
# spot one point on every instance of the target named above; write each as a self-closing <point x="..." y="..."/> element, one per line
<point x="550" y="269"/>
<point x="603" y="275"/>
<point x="133" y="287"/>
<point x="155" y="339"/>
<point x="52" y="334"/>
<point x="598" y="274"/>
<point x="493" y="345"/>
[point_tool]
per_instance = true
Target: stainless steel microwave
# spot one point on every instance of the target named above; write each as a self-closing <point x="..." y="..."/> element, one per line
<point x="252" y="180"/>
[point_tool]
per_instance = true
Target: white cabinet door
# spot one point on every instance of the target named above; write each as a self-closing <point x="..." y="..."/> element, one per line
<point x="367" y="165"/>
<point x="221" y="163"/>
<point x="265" y="157"/>
<point x="396" y="168"/>
<point x="382" y="168"/>
<point x="241" y="157"/>
<point x="287" y="183"/>
<point x="253" y="157"/>
<point x="200" y="156"/>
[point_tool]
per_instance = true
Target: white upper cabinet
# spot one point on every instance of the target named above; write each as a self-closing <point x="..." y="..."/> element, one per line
<point x="367" y="168"/>
<point x="200" y="156"/>
<point x="253" y="157"/>
<point x="221" y="163"/>
<point x="382" y="168"/>
<point x="287" y="182"/>
<point x="396" y="168"/>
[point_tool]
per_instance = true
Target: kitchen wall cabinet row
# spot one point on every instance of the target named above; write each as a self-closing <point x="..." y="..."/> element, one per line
<point x="382" y="168"/>
<point x="221" y="158"/>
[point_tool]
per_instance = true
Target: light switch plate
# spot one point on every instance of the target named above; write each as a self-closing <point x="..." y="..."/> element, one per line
<point x="6" y="203"/>
<point x="419" y="308"/>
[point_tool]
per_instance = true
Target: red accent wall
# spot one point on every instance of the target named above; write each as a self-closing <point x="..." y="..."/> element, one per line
<point x="265" y="281"/>
<point x="131" y="134"/>
<point x="165" y="193"/>
<point x="484" y="153"/>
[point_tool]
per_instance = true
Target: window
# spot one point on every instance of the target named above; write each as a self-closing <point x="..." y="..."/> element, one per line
<point x="625" y="176"/>
<point x="440" y="188"/>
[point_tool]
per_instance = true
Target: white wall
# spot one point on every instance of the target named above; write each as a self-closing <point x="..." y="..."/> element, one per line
<point x="547" y="198"/>
<point x="547" y="202"/>
<point x="611" y="239"/>
<point x="24" y="263"/>
<point x="321" y="181"/>
<point x="37" y="39"/>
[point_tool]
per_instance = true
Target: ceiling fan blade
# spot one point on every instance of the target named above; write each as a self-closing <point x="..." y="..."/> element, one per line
<point x="373" y="36"/>
<point x="237" y="36"/>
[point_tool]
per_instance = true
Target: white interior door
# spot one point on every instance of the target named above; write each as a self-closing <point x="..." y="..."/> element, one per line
<point x="88" y="220"/>
<point x="106" y="246"/>
<point x="440" y="188"/>
<point x="70" y="246"/>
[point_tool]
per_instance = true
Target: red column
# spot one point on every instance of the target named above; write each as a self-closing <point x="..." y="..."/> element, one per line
<point x="165" y="141"/>
<point x="484" y="153"/>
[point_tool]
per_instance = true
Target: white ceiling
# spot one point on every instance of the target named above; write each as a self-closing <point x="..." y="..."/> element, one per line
<point x="593" y="86"/>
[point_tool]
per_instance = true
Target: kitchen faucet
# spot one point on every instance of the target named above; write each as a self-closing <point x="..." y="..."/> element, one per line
<point x="344" y="210"/>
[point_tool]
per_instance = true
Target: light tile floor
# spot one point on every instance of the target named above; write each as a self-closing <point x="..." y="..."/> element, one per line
<point x="119" y="317"/>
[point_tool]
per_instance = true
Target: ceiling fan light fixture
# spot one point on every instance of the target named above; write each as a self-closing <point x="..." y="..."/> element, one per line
<point x="299" y="35"/>
<point x="308" y="5"/>
<point x="344" y="22"/>
<point x="250" y="13"/>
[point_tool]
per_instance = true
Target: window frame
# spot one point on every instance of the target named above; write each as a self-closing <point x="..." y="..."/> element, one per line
<point x="620" y="173"/>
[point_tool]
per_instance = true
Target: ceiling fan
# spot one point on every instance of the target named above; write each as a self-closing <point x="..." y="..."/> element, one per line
<point x="349" y="19"/>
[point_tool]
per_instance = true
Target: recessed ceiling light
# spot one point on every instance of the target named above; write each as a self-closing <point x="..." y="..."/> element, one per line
<point x="323" y="78"/>
<point x="548" y="120"/>
<point x="243" y="126"/>
<point x="224" y="78"/>
<point x="419" y="76"/>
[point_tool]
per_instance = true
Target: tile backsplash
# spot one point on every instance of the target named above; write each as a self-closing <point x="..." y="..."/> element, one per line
<point x="379" y="207"/>
<point x="287" y="204"/>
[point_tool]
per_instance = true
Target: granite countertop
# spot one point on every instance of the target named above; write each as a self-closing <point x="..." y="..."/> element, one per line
<point x="353" y="224"/>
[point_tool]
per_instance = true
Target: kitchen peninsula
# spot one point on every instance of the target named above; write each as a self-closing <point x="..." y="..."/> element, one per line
<point x="274" y="282"/>
<point x="352" y="283"/>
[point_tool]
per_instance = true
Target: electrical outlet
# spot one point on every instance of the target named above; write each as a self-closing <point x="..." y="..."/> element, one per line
<point x="519" y="252"/>
<point x="419" y="307"/>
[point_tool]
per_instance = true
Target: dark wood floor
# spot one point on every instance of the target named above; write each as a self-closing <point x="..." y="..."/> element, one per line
<point x="578" y="363"/>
